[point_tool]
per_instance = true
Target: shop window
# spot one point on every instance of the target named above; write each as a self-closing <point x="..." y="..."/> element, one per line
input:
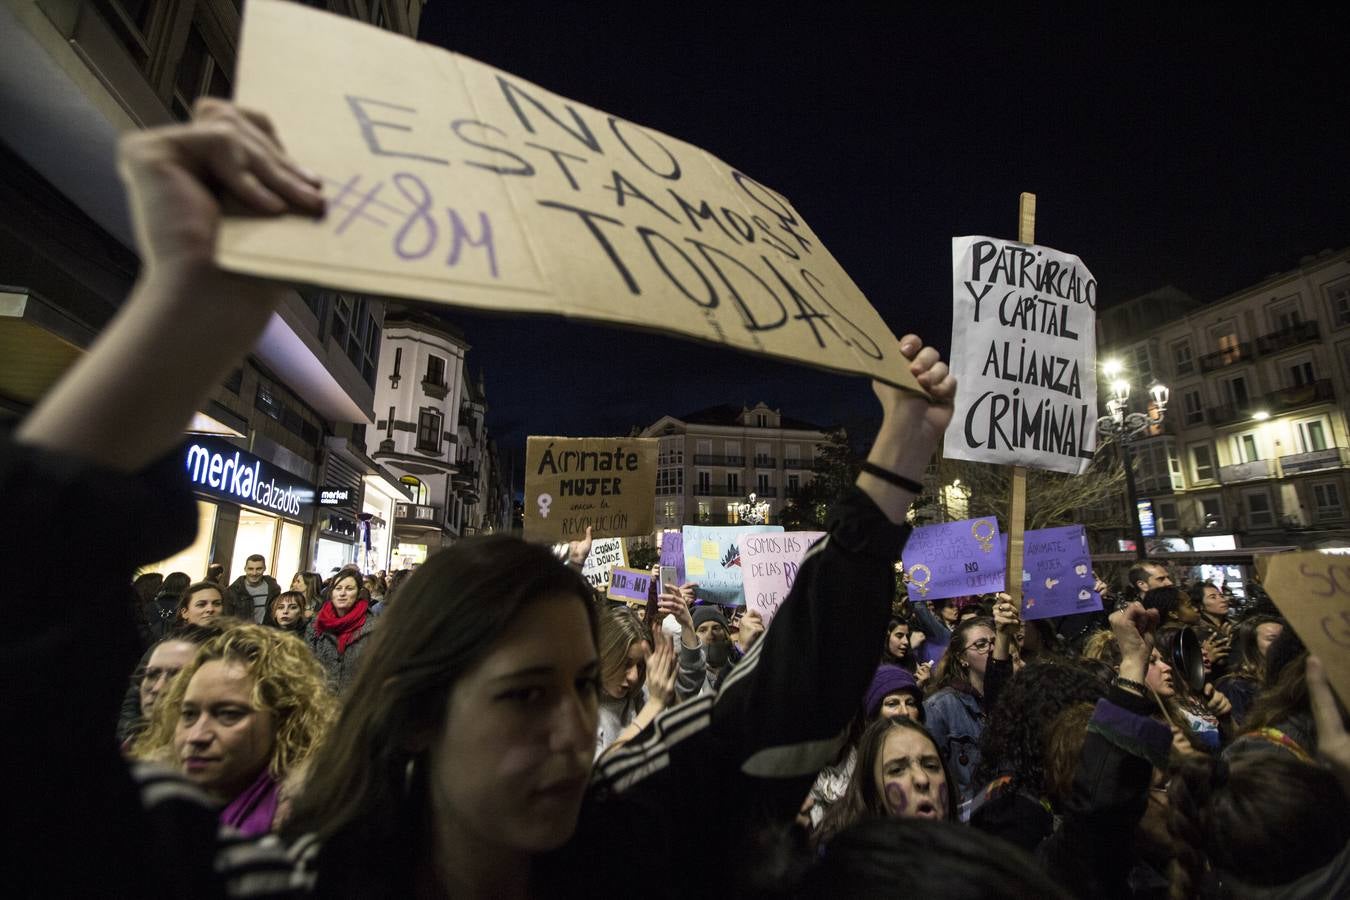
<point x="429" y="430"/>
<point x="290" y="552"/>
<point x="194" y="560"/>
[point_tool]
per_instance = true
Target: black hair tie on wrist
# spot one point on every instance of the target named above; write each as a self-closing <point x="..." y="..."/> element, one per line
<point x="900" y="481"/>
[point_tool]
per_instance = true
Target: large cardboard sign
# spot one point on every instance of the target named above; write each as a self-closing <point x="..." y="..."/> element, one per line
<point x="712" y="560"/>
<point x="1024" y="351"/>
<point x="607" y="484"/>
<point x="770" y="563"/>
<point x="1057" y="577"/>
<point x="1312" y="591"/>
<point x="606" y="554"/>
<point x="452" y="181"/>
<point x="954" y="559"/>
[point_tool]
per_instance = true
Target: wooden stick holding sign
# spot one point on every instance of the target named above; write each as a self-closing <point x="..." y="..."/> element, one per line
<point x="1017" y="504"/>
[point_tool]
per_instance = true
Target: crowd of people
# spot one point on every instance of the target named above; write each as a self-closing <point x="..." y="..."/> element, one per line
<point x="488" y="726"/>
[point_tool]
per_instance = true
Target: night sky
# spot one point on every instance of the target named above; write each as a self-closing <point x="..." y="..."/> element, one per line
<point x="1204" y="148"/>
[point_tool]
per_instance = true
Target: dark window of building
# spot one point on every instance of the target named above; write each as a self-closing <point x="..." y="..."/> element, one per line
<point x="234" y="381"/>
<point x="435" y="370"/>
<point x="268" y="402"/>
<point x="130" y="20"/>
<point x="429" y="430"/>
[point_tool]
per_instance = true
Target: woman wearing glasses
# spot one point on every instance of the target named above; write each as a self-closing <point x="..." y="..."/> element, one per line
<point x="955" y="710"/>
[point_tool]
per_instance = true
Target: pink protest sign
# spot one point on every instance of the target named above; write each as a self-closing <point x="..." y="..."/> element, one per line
<point x="770" y="563"/>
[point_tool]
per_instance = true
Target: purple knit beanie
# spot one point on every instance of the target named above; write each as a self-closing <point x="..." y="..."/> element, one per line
<point x="888" y="680"/>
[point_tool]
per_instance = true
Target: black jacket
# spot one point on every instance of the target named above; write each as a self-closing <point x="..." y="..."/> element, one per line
<point x="240" y="601"/>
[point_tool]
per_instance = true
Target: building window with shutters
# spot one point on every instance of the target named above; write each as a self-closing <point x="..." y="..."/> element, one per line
<point x="429" y="430"/>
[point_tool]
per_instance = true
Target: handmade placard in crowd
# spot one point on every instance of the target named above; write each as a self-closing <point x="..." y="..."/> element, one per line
<point x="1313" y="592"/>
<point x="672" y="553"/>
<point x="452" y="181"/>
<point x="629" y="584"/>
<point x="606" y="484"/>
<point x="1057" y="577"/>
<point x="954" y="559"/>
<point x="770" y="563"/>
<point x="606" y="554"/>
<point x="1024" y="352"/>
<point x="712" y="560"/>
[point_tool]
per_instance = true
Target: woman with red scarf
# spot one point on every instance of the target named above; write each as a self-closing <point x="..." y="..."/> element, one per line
<point x="337" y="635"/>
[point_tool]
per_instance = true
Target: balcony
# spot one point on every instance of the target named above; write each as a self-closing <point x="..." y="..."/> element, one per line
<point x="713" y="490"/>
<point x="765" y="462"/>
<point x="466" y="476"/>
<point x="416" y="515"/>
<point x="768" y="492"/>
<point x="1248" y="471"/>
<point x="1231" y="356"/>
<point x="797" y="464"/>
<point x="436" y="389"/>
<point x="1276" y="402"/>
<point x="704" y="460"/>
<point x="1315" y="461"/>
<point x="1285" y="338"/>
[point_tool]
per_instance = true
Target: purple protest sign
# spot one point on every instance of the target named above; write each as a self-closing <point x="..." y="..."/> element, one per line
<point x="672" y="553"/>
<point x="629" y="584"/>
<point x="954" y="559"/>
<point x="1057" y="577"/>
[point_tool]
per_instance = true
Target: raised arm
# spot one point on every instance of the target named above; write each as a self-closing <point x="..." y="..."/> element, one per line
<point x="186" y="317"/>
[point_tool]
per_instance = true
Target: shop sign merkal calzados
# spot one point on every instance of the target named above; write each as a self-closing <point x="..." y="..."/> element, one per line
<point x="219" y="468"/>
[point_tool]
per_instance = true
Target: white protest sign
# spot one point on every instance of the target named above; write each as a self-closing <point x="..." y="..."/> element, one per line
<point x="606" y="553"/>
<point x="770" y="563"/>
<point x="451" y="181"/>
<point x="1024" y="351"/>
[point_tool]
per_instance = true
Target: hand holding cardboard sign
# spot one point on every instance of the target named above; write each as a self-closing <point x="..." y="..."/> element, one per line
<point x="911" y="427"/>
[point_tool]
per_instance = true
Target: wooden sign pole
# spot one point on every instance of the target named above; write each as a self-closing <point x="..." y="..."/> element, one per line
<point x="1017" y="506"/>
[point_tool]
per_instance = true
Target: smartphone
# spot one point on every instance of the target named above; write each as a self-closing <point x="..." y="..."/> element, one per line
<point x="669" y="579"/>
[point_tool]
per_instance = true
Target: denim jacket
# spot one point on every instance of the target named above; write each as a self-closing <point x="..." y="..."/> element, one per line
<point x="955" y="719"/>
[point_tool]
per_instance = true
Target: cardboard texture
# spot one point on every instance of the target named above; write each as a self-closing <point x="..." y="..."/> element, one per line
<point x="770" y="563"/>
<point x="1312" y="591"/>
<point x="606" y="554"/>
<point x="606" y="483"/>
<point x="1024" y="349"/>
<point x="451" y="181"/>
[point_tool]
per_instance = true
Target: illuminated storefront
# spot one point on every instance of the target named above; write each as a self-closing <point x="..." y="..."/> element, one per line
<point x="245" y="505"/>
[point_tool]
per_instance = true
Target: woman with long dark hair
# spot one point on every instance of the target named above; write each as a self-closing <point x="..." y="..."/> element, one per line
<point x="1247" y="666"/>
<point x="954" y="708"/>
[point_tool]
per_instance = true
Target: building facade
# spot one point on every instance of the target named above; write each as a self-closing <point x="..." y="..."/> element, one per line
<point x="712" y="459"/>
<point x="1254" y="442"/>
<point x="74" y="75"/>
<point x="432" y="433"/>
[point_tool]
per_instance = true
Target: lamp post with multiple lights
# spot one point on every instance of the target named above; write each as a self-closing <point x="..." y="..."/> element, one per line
<point x="1125" y="427"/>
<point x="752" y="510"/>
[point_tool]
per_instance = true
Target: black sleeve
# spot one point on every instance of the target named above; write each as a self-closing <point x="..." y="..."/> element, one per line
<point x="997" y="674"/>
<point x="750" y="753"/>
<point x="73" y="817"/>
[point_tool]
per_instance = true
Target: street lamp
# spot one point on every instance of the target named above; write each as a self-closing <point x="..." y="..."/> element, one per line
<point x="1126" y="427"/>
<point x="752" y="510"/>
